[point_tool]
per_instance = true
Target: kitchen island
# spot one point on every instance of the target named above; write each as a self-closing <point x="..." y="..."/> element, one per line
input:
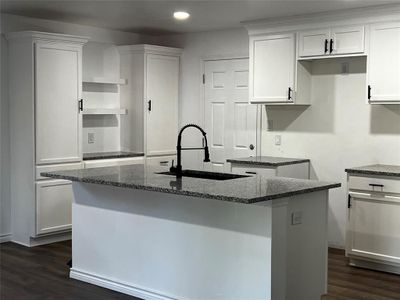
<point x="155" y="236"/>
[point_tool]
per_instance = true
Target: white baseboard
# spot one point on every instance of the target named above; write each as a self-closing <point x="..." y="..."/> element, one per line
<point x="5" y="237"/>
<point x="142" y="293"/>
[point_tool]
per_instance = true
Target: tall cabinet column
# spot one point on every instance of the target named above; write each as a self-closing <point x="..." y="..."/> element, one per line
<point x="45" y="87"/>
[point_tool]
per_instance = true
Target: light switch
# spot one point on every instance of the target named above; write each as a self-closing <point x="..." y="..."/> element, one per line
<point x="91" y="138"/>
<point x="297" y="218"/>
<point x="278" y="140"/>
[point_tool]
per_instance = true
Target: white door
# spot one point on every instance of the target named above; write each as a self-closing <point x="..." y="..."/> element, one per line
<point x="230" y="121"/>
<point x="348" y="40"/>
<point x="272" y="66"/>
<point x="384" y="63"/>
<point x="314" y="42"/>
<point x="374" y="227"/>
<point x="57" y="92"/>
<point x="162" y="90"/>
<point x="53" y="206"/>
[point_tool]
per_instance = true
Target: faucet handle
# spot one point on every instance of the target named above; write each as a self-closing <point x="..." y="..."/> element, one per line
<point x="173" y="163"/>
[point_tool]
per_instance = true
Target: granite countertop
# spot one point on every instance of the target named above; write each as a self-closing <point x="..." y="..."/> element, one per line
<point x="114" y="154"/>
<point x="383" y="170"/>
<point x="269" y="161"/>
<point x="247" y="190"/>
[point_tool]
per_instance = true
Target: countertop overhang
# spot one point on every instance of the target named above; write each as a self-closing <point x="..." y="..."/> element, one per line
<point x="268" y="161"/>
<point x="380" y="170"/>
<point x="248" y="190"/>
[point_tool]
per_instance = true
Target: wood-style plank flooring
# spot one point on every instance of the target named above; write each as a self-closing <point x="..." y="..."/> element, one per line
<point x="41" y="273"/>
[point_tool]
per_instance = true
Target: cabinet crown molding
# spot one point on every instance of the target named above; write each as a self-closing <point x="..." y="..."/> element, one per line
<point x="47" y="36"/>
<point x="150" y="49"/>
<point x="365" y="15"/>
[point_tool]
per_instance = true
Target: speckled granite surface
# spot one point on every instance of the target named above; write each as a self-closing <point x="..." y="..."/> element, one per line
<point x="247" y="190"/>
<point x="115" y="154"/>
<point x="269" y="161"/>
<point x="383" y="170"/>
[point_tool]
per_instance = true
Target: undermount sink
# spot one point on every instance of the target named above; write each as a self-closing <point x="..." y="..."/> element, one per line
<point x="206" y="175"/>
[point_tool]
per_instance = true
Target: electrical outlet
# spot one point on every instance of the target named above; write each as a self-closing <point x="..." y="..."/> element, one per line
<point x="278" y="140"/>
<point x="297" y="218"/>
<point x="91" y="138"/>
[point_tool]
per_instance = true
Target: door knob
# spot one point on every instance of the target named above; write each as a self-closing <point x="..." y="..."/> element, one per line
<point x="251" y="147"/>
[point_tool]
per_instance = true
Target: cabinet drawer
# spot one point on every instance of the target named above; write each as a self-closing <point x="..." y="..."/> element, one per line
<point x="52" y="168"/>
<point x="374" y="184"/>
<point x="251" y="170"/>
<point x="112" y="162"/>
<point x="53" y="206"/>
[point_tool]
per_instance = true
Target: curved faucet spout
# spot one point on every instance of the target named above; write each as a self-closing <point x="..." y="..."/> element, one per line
<point x="178" y="169"/>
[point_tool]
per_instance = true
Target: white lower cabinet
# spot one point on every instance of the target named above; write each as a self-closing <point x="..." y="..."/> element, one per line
<point x="163" y="161"/>
<point x="53" y="206"/>
<point x="373" y="235"/>
<point x="113" y="162"/>
<point x="300" y="171"/>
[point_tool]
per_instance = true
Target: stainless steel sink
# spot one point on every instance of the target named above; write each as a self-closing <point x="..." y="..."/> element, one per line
<point x="205" y="175"/>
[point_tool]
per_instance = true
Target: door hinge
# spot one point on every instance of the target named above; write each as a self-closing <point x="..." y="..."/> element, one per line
<point x="204" y="78"/>
<point x="349" y="202"/>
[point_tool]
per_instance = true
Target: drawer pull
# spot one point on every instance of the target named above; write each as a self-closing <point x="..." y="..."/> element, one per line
<point x="253" y="173"/>
<point x="376" y="185"/>
<point x="164" y="162"/>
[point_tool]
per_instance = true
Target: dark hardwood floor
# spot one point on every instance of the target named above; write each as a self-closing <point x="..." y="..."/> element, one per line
<point x="41" y="273"/>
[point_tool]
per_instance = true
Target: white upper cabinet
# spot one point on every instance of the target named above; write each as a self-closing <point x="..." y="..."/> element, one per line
<point x="272" y="68"/>
<point x="347" y="40"/>
<point x="57" y="92"/>
<point x="384" y="63"/>
<point x="314" y="42"/>
<point x="344" y="40"/>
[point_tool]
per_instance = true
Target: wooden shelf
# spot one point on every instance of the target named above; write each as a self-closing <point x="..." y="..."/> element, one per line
<point x="105" y="111"/>
<point x="105" y="80"/>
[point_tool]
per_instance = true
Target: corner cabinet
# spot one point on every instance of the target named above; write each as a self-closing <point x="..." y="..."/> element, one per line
<point x="45" y="88"/>
<point x="272" y="68"/>
<point x="152" y="94"/>
<point x="383" y="73"/>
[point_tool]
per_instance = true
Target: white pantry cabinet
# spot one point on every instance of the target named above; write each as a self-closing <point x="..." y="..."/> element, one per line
<point x="373" y="236"/>
<point x="45" y="130"/>
<point x="152" y="92"/>
<point x="384" y="64"/>
<point x="272" y="68"/>
<point x="342" y="40"/>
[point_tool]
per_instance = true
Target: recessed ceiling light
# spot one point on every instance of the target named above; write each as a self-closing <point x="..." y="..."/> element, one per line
<point x="181" y="15"/>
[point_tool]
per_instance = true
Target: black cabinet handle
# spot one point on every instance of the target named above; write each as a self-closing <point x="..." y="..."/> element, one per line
<point x="369" y="92"/>
<point x="290" y="94"/>
<point x="80" y="105"/>
<point x="331" y="46"/>
<point x="349" y="202"/>
<point x="149" y="105"/>
<point x="326" y="46"/>
<point x="253" y="173"/>
<point x="376" y="185"/>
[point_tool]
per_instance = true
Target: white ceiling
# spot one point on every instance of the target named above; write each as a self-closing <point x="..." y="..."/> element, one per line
<point x="155" y="17"/>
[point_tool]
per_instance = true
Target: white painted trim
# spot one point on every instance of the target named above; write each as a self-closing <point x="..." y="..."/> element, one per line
<point x="135" y="291"/>
<point x="153" y="49"/>
<point x="37" y="35"/>
<point x="372" y="14"/>
<point x="5" y="237"/>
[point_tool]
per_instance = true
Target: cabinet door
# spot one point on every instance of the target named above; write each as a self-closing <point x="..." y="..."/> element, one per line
<point x="162" y="89"/>
<point x="384" y="63"/>
<point x="57" y="92"/>
<point x="314" y="42"/>
<point x="272" y="68"/>
<point x="53" y="206"/>
<point x="348" y="40"/>
<point x="373" y="230"/>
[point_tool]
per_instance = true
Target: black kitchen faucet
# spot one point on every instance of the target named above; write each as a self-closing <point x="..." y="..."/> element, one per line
<point x="178" y="169"/>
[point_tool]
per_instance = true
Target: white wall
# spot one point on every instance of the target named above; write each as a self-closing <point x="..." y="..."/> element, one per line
<point x="339" y="130"/>
<point x="5" y="204"/>
<point x="198" y="46"/>
<point x="100" y="38"/>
